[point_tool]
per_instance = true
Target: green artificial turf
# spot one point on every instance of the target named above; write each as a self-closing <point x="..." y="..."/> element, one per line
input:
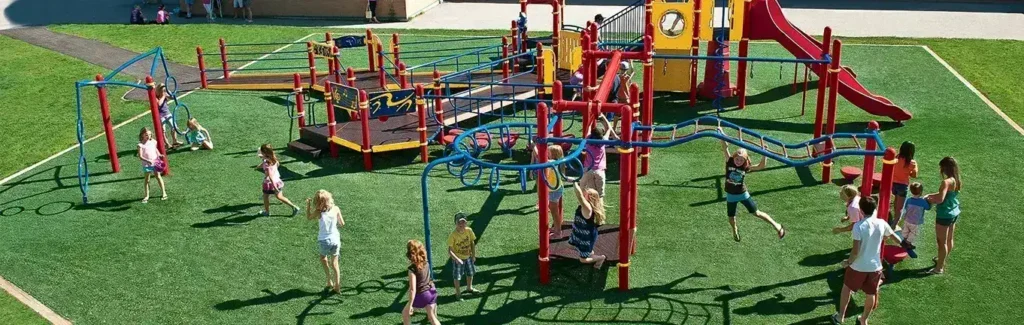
<point x="37" y="100"/>
<point x="13" y="311"/>
<point x="205" y="256"/>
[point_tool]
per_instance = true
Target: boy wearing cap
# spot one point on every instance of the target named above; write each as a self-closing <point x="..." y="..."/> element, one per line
<point x="462" y="252"/>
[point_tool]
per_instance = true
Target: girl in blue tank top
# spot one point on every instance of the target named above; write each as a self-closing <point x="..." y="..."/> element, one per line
<point x="947" y="210"/>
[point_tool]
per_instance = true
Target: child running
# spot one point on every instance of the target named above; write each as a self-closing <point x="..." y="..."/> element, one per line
<point x="851" y="196"/>
<point x="737" y="165"/>
<point x="905" y="169"/>
<point x="422" y="293"/>
<point x="462" y="253"/>
<point x="198" y="136"/>
<point x="321" y="207"/>
<point x="151" y="163"/>
<point x="166" y="118"/>
<point x="913" y="216"/>
<point x="589" y="215"/>
<point x="272" y="183"/>
<point x="947" y="210"/>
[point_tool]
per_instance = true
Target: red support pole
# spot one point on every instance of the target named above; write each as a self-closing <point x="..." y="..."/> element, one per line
<point x="108" y="125"/>
<point x="867" y="178"/>
<point x="421" y="112"/>
<point x="504" y="59"/>
<point x="158" y="130"/>
<point x="585" y="67"/>
<point x="403" y="82"/>
<point x="394" y="51"/>
<point x="312" y="64"/>
<point x="515" y="44"/>
<point x="819" y="108"/>
<point x="202" y="67"/>
<point x="224" y="58"/>
<point x="833" y="97"/>
<point x="332" y="132"/>
<point x="648" y="102"/>
<point x="350" y="78"/>
<point x="382" y="82"/>
<point x="438" y="108"/>
<point x="300" y="105"/>
<point x="634" y="99"/>
<point x="625" y="197"/>
<point x="369" y="50"/>
<point x="364" y="110"/>
<point x="336" y="64"/>
<point x="741" y="82"/>
<point x="803" y="102"/>
<point x="522" y="7"/>
<point x="542" y="195"/>
<point x="885" y="188"/>
<point x="694" y="51"/>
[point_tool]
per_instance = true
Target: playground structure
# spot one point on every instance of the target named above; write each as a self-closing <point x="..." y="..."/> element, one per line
<point x="636" y="128"/>
<point x="101" y="83"/>
<point x="374" y="110"/>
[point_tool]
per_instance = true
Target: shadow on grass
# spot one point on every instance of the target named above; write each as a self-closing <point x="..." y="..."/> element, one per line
<point x="512" y="282"/>
<point x="238" y="214"/>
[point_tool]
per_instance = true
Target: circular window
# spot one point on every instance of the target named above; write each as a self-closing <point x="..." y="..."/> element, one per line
<point x="672" y="23"/>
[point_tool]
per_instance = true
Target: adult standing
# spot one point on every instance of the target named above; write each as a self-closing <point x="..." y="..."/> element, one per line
<point x="864" y="267"/>
<point x="737" y="165"/>
<point x="371" y="11"/>
<point x="245" y="7"/>
<point x="947" y="210"/>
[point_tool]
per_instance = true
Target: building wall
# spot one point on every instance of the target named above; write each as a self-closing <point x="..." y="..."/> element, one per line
<point x="349" y="9"/>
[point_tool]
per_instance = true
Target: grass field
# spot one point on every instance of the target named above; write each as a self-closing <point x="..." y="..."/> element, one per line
<point x="38" y="103"/>
<point x="205" y="256"/>
<point x="13" y="311"/>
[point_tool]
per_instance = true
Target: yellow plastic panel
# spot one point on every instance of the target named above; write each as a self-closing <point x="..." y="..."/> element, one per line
<point x="672" y="74"/>
<point x="673" y="28"/>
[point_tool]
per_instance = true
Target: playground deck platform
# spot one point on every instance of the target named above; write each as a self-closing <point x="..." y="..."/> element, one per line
<point x="607" y="243"/>
<point x="399" y="132"/>
<point x="365" y="80"/>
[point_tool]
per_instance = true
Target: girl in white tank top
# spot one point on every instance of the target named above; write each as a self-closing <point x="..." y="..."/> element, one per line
<point x="321" y="208"/>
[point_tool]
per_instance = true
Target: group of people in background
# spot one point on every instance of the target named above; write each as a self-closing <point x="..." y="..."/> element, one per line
<point x="212" y="8"/>
<point x="863" y="269"/>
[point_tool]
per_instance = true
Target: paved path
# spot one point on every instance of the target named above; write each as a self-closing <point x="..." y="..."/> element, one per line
<point x="102" y="54"/>
<point x="1002" y="20"/>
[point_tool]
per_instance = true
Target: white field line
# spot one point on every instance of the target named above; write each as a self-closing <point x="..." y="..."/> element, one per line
<point x="975" y="91"/>
<point x="36" y="306"/>
<point x="268" y="54"/>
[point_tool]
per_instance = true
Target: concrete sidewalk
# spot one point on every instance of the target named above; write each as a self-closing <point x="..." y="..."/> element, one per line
<point x="983" y="21"/>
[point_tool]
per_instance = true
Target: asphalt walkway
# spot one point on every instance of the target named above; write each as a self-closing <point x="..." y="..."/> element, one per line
<point x="995" y="19"/>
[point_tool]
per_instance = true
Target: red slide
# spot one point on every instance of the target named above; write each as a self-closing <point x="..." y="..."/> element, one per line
<point x="765" y="21"/>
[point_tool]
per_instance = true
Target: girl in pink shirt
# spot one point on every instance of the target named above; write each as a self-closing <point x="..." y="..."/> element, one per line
<point x="152" y="164"/>
<point x="161" y="16"/>
<point x="272" y="183"/>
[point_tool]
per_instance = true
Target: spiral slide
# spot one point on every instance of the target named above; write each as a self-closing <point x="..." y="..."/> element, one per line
<point x="766" y="21"/>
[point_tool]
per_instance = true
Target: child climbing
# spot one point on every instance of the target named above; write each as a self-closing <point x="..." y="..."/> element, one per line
<point x="555" y="189"/>
<point x="737" y="165"/>
<point x="589" y="215"/>
<point x="321" y="207"/>
<point x="198" y="136"/>
<point x="272" y="183"/>
<point x="166" y="118"/>
<point x="152" y="163"/>
<point x="422" y="293"/>
<point x="462" y="253"/>
<point x="595" y="163"/>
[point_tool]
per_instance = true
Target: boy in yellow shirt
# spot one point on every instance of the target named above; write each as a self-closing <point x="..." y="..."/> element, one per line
<point x="462" y="252"/>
